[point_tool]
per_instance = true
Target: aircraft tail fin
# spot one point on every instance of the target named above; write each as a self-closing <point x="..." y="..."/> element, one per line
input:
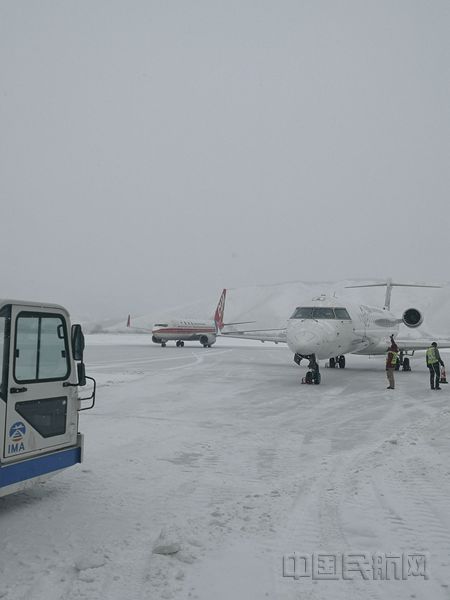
<point x="218" y="315"/>
<point x="389" y="284"/>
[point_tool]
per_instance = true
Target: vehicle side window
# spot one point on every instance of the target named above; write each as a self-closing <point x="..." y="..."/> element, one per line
<point x="341" y="313"/>
<point x="4" y="349"/>
<point x="41" y="351"/>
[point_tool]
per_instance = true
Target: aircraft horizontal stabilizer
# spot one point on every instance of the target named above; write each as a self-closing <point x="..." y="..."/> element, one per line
<point x="239" y="323"/>
<point x="389" y="284"/>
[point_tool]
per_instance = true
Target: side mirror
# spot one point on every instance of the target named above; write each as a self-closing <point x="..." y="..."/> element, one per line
<point x="77" y="342"/>
<point x="81" y="371"/>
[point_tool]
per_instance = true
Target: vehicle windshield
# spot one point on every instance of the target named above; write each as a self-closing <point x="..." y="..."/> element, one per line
<point x="320" y="312"/>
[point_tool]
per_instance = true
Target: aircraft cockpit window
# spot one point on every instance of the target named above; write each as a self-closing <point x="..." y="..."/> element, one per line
<point x="320" y="312"/>
<point x="323" y="313"/>
<point x="160" y="325"/>
<point x="302" y="313"/>
<point x="341" y="313"/>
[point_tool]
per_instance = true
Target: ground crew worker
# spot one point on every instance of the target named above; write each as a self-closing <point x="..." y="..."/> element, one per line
<point x="433" y="361"/>
<point x="391" y="361"/>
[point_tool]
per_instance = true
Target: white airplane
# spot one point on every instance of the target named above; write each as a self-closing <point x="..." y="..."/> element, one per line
<point x="329" y="328"/>
<point x="190" y="330"/>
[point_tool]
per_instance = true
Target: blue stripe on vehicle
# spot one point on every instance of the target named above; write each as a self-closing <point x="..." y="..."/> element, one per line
<point x="34" y="467"/>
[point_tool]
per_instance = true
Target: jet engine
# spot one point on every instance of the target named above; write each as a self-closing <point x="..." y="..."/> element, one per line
<point x="207" y="340"/>
<point x="412" y="317"/>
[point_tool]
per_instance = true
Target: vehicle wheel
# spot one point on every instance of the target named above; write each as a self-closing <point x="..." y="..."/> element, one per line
<point x="342" y="362"/>
<point x="332" y="363"/>
<point x="406" y="364"/>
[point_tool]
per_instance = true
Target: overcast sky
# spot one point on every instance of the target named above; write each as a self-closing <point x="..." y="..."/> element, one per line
<point x="152" y="152"/>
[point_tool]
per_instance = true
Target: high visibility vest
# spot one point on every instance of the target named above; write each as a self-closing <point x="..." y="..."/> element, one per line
<point x="431" y="356"/>
<point x="394" y="358"/>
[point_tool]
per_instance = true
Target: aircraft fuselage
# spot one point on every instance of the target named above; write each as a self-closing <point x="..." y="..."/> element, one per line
<point x="327" y="327"/>
<point x="185" y="330"/>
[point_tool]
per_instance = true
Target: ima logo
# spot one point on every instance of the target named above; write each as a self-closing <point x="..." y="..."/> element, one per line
<point x="16" y="433"/>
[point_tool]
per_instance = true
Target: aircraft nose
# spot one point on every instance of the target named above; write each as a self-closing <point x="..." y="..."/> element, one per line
<point x="305" y="341"/>
<point x="306" y="337"/>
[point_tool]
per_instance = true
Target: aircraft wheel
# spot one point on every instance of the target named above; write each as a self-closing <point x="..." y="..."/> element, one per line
<point x="341" y="362"/>
<point x="178" y="344"/>
<point x="406" y="364"/>
<point x="182" y="344"/>
<point x="163" y="344"/>
<point x="332" y="363"/>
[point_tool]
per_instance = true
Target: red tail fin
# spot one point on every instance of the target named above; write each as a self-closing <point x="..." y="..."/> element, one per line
<point x="218" y="317"/>
<point x="129" y="321"/>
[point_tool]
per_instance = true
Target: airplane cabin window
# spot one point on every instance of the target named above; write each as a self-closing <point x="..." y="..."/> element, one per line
<point x="341" y="313"/>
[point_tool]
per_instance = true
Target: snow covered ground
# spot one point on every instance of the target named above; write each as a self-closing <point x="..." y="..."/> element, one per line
<point x="222" y="461"/>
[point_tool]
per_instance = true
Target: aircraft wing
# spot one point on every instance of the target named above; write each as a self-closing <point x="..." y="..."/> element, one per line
<point x="262" y="335"/>
<point x="419" y="344"/>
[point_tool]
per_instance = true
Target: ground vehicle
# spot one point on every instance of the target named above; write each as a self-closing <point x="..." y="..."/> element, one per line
<point x="41" y="361"/>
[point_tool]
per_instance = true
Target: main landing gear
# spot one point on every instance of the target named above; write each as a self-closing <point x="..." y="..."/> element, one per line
<point x="403" y="362"/>
<point x="313" y="375"/>
<point x="338" y="361"/>
<point x="180" y="344"/>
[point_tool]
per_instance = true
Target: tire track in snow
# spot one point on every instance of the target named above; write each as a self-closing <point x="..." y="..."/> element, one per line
<point x="147" y="361"/>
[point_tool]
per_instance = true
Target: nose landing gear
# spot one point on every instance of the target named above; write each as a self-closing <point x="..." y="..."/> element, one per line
<point x="313" y="375"/>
